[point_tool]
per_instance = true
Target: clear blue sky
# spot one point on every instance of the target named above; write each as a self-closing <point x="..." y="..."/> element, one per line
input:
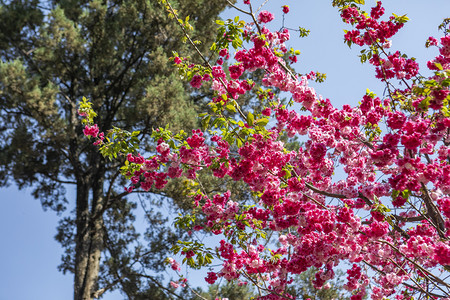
<point x="29" y="254"/>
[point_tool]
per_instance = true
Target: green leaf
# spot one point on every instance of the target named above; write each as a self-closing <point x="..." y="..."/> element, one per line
<point x="262" y="122"/>
<point x="445" y="111"/>
<point x="230" y="107"/>
<point x="205" y="122"/>
<point x="445" y="82"/>
<point x="303" y="32"/>
<point x="401" y="19"/>
<point x="363" y="58"/>
<point x="200" y="259"/>
<point x="208" y="258"/>
<point x="250" y="119"/>
<point x="239" y="143"/>
<point x="172" y="144"/>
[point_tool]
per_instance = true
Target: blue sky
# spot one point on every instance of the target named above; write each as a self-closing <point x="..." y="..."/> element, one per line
<point x="29" y="255"/>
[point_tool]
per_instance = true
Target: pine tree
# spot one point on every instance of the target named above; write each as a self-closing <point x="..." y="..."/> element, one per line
<point x="230" y="290"/>
<point x="304" y="288"/>
<point x="116" y="54"/>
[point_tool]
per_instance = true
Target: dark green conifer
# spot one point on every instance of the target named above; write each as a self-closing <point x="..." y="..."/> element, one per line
<point x="116" y="54"/>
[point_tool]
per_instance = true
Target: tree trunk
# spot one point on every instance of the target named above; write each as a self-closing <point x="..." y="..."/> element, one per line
<point x="89" y="238"/>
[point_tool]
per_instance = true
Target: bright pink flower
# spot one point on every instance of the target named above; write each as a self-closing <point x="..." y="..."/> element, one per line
<point x="377" y="11"/>
<point x="174" y="264"/>
<point x="432" y="41"/>
<point x="396" y="120"/>
<point x="444" y="205"/>
<point x="217" y="72"/>
<point x="236" y="71"/>
<point x="445" y="46"/>
<point x="177" y="60"/>
<point x="377" y="229"/>
<point x="223" y="52"/>
<point x="211" y="278"/>
<point x="442" y="253"/>
<point x="101" y="137"/>
<point x="265" y="16"/>
<point x="196" y="81"/>
<point x="399" y="201"/>
<point x="267" y="111"/>
<point x="91" y="130"/>
<point x="206" y="77"/>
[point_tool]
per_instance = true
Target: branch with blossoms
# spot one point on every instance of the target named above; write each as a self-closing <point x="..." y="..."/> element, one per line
<point x="183" y="282"/>
<point x="398" y="224"/>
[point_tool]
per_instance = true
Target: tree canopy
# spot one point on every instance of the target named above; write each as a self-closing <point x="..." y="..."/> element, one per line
<point x="116" y="53"/>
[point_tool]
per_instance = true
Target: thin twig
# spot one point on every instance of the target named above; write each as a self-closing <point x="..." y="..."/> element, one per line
<point x="261" y="6"/>
<point x="423" y="270"/>
<point x="419" y="287"/>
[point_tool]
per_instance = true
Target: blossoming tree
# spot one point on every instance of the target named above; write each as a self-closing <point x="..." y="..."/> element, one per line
<point x="387" y="217"/>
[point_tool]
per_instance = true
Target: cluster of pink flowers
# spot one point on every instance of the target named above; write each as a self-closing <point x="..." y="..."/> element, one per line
<point x="91" y="130"/>
<point x="174" y="265"/>
<point x="395" y="66"/>
<point x="444" y="58"/>
<point x="368" y="29"/>
<point x="265" y="16"/>
<point x="320" y="222"/>
<point x="176" y="284"/>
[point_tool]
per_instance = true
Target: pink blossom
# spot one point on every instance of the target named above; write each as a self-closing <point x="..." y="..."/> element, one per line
<point x="267" y="111"/>
<point x="196" y="81"/>
<point x="445" y="46"/>
<point x="174" y="264"/>
<point x="91" y="130"/>
<point x="206" y="77"/>
<point x="391" y="152"/>
<point x="442" y="253"/>
<point x="177" y="60"/>
<point x="236" y="71"/>
<point x="432" y="41"/>
<point x="211" y="278"/>
<point x="265" y="16"/>
<point x="223" y="52"/>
